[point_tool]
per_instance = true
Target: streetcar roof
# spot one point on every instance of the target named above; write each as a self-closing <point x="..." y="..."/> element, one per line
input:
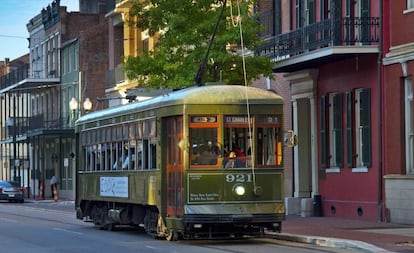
<point x="209" y="94"/>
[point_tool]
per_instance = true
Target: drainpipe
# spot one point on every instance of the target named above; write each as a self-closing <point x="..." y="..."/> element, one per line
<point x="380" y="104"/>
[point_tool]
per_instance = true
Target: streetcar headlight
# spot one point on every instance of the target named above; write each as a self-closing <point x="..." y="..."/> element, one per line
<point x="239" y="190"/>
<point x="198" y="226"/>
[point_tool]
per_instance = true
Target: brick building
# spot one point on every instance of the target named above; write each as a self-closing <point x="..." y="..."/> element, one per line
<point x="327" y="51"/>
<point x="68" y="59"/>
<point x="398" y="108"/>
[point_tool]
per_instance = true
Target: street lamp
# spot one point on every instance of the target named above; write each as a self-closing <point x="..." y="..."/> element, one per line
<point x="74" y="105"/>
<point x="87" y="105"/>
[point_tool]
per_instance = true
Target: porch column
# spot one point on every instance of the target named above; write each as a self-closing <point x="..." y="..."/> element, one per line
<point x="314" y="144"/>
<point x="304" y="112"/>
<point x="296" y="170"/>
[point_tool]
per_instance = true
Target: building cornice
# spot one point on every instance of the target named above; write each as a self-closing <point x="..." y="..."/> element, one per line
<point x="399" y="54"/>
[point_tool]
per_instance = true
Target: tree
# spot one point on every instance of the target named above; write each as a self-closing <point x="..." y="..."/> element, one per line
<point x="185" y="29"/>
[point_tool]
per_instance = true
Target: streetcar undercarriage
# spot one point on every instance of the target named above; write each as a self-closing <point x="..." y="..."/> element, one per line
<point x="107" y="215"/>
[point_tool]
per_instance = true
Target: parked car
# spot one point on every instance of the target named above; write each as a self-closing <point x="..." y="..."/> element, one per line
<point x="11" y="191"/>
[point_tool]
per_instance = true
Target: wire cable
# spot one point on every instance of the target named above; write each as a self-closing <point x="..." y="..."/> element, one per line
<point x="238" y="18"/>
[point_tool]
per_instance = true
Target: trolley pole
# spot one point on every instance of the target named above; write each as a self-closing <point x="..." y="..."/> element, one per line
<point x="202" y="67"/>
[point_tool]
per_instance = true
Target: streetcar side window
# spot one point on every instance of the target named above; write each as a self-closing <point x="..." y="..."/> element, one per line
<point x="88" y="155"/>
<point x="132" y="146"/>
<point x="107" y="157"/>
<point x="269" y="147"/>
<point x="153" y="153"/>
<point x="148" y="150"/>
<point x="139" y="155"/>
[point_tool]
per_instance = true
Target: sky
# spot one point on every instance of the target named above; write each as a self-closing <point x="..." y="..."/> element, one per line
<point x="14" y="15"/>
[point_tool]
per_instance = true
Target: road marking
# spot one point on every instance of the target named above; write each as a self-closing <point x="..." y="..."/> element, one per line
<point x="15" y="221"/>
<point x="68" y="231"/>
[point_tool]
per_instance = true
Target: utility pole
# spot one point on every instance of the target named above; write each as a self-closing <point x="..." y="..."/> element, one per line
<point x="14" y="138"/>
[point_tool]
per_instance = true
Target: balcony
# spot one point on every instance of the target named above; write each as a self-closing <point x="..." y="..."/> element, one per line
<point x="15" y="127"/>
<point x="23" y="127"/>
<point x="21" y="77"/>
<point x="14" y="76"/>
<point x="322" y="42"/>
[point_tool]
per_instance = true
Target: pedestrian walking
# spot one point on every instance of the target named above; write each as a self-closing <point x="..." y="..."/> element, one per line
<point x="53" y="184"/>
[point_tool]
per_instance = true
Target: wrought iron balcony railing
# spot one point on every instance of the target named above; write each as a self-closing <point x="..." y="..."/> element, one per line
<point x="15" y="127"/>
<point x="39" y="122"/>
<point x="23" y="125"/>
<point x="14" y="76"/>
<point x="357" y="31"/>
<point x="22" y="73"/>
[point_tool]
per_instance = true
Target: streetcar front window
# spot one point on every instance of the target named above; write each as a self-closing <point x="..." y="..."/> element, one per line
<point x="237" y="141"/>
<point x="237" y="147"/>
<point x="204" y="146"/>
<point x="240" y="148"/>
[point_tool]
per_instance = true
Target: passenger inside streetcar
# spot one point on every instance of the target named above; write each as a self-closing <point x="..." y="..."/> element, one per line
<point x="233" y="162"/>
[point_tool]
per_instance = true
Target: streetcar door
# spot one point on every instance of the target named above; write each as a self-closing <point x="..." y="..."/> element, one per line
<point x="174" y="164"/>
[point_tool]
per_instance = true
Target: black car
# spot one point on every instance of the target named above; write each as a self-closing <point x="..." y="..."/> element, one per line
<point x="11" y="191"/>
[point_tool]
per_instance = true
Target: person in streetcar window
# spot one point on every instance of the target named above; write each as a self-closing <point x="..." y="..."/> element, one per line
<point x="233" y="162"/>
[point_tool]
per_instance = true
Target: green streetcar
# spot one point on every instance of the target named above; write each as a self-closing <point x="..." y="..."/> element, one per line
<point x="201" y="162"/>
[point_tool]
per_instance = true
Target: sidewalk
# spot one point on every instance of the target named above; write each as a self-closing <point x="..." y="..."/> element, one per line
<point x="61" y="204"/>
<point x="363" y="235"/>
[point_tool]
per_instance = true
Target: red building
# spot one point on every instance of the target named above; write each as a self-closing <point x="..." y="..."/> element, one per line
<point x="398" y="111"/>
<point x="331" y="57"/>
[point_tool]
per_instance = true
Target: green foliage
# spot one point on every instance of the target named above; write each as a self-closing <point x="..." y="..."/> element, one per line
<point x="187" y="27"/>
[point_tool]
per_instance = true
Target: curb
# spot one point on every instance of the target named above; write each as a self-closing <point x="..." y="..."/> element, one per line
<point x="331" y="242"/>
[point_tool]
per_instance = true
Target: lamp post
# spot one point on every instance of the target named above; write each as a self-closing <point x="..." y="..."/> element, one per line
<point x="87" y="105"/>
<point x="74" y="105"/>
<point x="14" y="139"/>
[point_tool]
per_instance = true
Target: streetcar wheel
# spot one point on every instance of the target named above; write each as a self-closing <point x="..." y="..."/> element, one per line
<point x="97" y="217"/>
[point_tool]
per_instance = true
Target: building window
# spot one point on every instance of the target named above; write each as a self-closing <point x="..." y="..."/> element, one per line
<point x="357" y="114"/>
<point x="336" y="129"/>
<point x="410" y="4"/>
<point x="409" y="126"/>
<point x="363" y="128"/>
<point x="298" y="16"/>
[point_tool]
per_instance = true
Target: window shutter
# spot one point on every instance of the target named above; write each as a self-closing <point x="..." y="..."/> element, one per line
<point x="323" y="124"/>
<point x="365" y="113"/>
<point x="349" y="124"/>
<point x="338" y="127"/>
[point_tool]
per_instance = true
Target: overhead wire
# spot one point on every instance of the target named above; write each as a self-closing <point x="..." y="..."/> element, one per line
<point x="237" y="22"/>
